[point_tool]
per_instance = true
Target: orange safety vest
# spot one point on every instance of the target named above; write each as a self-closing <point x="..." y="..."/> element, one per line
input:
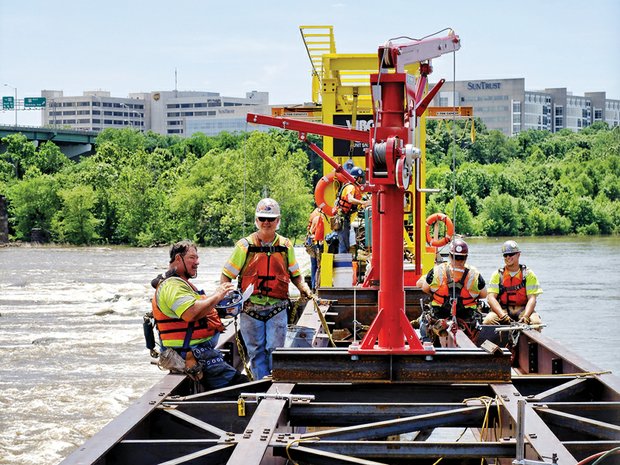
<point x="343" y="204"/>
<point x="267" y="268"/>
<point x="171" y="329"/>
<point x="512" y="290"/>
<point x="458" y="287"/>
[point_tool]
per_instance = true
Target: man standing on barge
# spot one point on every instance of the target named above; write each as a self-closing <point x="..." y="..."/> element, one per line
<point x="267" y="261"/>
<point x="512" y="291"/>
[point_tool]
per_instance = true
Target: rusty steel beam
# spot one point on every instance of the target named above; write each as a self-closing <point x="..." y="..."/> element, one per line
<point x="608" y="412"/>
<point x="146" y="452"/>
<point x="397" y="450"/>
<point x="566" y="391"/>
<point x="464" y="416"/>
<point x="445" y="366"/>
<point x="541" y="442"/>
<point x="598" y="429"/>
<point x="353" y="413"/>
<point x="547" y="350"/>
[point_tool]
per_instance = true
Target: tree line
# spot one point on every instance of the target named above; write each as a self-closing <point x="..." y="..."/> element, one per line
<point x="532" y="184"/>
<point x="147" y="189"/>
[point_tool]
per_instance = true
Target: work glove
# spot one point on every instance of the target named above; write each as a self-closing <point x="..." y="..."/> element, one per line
<point x="305" y="292"/>
<point x="505" y="319"/>
<point x="524" y="320"/>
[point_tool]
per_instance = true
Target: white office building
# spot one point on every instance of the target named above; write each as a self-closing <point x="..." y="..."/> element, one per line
<point x="502" y="104"/>
<point x="166" y="112"/>
<point x="92" y="111"/>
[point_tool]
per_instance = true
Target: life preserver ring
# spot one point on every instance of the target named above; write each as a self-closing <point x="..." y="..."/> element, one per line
<point x="321" y="187"/>
<point x="431" y="220"/>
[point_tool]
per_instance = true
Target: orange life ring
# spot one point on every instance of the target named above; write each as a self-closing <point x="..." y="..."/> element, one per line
<point x="321" y="187"/>
<point x="431" y="220"/>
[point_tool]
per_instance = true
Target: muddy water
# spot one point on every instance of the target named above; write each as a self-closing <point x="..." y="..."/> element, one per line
<point x="71" y="340"/>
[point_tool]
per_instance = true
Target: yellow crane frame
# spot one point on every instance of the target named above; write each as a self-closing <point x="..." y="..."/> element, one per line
<point x="341" y="87"/>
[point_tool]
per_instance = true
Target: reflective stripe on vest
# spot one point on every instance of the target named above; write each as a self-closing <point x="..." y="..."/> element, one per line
<point x="174" y="330"/>
<point x="448" y="287"/>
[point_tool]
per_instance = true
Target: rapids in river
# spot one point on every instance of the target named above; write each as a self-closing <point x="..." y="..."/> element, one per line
<point x="72" y="348"/>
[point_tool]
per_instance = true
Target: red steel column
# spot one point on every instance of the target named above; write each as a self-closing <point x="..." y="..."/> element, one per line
<point x="391" y="287"/>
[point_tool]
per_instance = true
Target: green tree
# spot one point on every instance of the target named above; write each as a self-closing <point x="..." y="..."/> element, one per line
<point x="139" y="207"/>
<point x="74" y="222"/>
<point x="51" y="158"/>
<point x="32" y="203"/>
<point x="502" y="215"/>
<point x="461" y="216"/>
<point x="21" y="154"/>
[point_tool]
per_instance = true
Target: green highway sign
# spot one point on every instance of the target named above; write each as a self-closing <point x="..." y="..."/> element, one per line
<point x="8" y="103"/>
<point x="30" y="102"/>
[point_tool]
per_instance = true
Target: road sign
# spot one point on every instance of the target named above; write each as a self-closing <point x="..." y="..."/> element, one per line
<point x="8" y="103"/>
<point x="31" y="102"/>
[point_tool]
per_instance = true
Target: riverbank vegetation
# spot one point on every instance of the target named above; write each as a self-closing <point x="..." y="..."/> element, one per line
<point x="146" y="189"/>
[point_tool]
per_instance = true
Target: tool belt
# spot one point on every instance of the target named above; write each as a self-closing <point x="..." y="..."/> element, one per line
<point x="257" y="311"/>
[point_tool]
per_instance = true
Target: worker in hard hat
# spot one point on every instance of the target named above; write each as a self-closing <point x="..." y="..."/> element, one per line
<point x="451" y="280"/>
<point x="267" y="261"/>
<point x="513" y="291"/>
<point x="349" y="199"/>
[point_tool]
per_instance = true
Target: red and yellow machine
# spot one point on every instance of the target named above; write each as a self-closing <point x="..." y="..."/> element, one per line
<point x="393" y="160"/>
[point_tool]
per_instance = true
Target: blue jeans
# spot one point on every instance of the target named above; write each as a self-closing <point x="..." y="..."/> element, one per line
<point x="261" y="339"/>
<point x="216" y="372"/>
<point x="315" y="263"/>
<point x="313" y="269"/>
<point x="343" y="235"/>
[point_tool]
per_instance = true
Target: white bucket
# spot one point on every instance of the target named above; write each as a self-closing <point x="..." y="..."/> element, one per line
<point x="343" y="270"/>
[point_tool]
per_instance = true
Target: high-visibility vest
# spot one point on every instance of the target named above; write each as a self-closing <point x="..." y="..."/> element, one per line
<point x="266" y="267"/>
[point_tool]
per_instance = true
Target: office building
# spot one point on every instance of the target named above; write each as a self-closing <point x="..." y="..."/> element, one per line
<point x="167" y="112"/>
<point x="502" y="104"/>
<point x="505" y="105"/>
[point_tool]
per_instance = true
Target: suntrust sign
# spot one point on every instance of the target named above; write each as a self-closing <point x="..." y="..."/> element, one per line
<point x="483" y="85"/>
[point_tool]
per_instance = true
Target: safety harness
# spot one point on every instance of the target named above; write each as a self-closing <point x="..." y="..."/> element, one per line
<point x="269" y="273"/>
<point x="513" y="294"/>
<point x="442" y="297"/>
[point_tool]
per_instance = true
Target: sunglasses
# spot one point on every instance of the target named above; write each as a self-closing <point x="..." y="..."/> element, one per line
<point x="510" y="254"/>
<point x="262" y="219"/>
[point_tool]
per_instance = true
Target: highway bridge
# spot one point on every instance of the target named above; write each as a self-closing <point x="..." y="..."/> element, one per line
<point x="73" y="143"/>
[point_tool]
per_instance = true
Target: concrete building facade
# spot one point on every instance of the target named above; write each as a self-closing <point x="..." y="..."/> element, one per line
<point x="505" y="105"/>
<point x="166" y="112"/>
<point x="502" y="104"/>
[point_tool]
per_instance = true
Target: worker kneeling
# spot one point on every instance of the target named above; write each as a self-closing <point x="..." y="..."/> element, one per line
<point x="446" y="282"/>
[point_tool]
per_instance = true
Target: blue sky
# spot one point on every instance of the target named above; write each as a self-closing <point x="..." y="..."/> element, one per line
<point x="232" y="47"/>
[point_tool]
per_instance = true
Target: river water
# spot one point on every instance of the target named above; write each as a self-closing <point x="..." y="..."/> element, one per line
<point x="72" y="351"/>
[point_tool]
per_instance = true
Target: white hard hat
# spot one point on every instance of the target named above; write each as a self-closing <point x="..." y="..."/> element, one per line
<point x="510" y="247"/>
<point x="267" y="208"/>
